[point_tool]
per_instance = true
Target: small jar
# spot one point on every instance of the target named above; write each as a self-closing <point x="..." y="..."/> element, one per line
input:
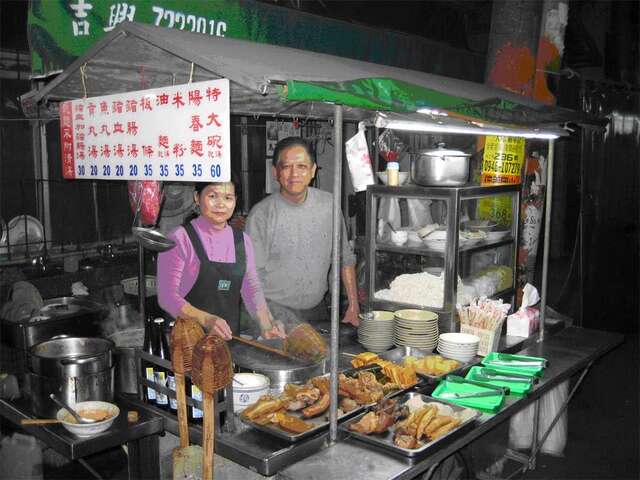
<point x="393" y="170"/>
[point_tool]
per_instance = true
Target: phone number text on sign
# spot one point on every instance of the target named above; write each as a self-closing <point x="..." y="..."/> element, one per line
<point x="178" y="133"/>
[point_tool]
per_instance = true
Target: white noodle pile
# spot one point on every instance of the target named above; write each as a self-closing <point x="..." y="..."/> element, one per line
<point x="423" y="289"/>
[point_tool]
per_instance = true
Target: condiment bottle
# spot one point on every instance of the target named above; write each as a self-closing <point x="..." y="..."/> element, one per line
<point x="393" y="170"/>
<point x="147" y="368"/>
<point x="161" y="349"/>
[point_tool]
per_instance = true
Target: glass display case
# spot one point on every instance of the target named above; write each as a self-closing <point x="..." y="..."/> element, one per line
<point x="433" y="247"/>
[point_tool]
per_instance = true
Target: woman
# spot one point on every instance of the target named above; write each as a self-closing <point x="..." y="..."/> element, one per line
<point x="211" y="267"/>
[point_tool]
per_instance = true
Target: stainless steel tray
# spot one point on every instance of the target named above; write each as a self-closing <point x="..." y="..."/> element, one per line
<point x="320" y="422"/>
<point x="385" y="440"/>
<point x="397" y="354"/>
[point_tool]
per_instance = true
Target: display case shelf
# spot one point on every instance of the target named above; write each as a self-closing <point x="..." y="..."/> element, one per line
<point x="423" y="250"/>
<point x="386" y="261"/>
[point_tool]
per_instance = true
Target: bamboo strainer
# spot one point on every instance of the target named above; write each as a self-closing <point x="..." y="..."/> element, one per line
<point x="212" y="367"/>
<point x="305" y="343"/>
<point x="184" y="336"/>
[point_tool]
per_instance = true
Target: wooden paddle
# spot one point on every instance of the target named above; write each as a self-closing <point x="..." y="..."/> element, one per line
<point x="261" y="346"/>
<point x="39" y="421"/>
<point x="212" y="370"/>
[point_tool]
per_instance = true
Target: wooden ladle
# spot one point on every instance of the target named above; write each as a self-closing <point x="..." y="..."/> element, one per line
<point x="212" y="370"/>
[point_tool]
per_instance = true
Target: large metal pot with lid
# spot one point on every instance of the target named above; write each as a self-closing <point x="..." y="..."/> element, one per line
<point x="74" y="368"/>
<point x="440" y="167"/>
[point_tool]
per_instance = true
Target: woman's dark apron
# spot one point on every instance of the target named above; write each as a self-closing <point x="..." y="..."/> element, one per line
<point x="217" y="288"/>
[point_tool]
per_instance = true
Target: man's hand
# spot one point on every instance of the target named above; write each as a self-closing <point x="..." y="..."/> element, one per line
<point x="217" y="325"/>
<point x="276" y="331"/>
<point x="352" y="315"/>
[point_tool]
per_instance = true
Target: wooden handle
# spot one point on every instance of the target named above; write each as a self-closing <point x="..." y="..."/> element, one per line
<point x="181" y="400"/>
<point x="38" y="421"/>
<point x="261" y="346"/>
<point x="208" y="442"/>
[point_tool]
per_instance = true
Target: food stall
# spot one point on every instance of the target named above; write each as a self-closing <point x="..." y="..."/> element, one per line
<point x="281" y="82"/>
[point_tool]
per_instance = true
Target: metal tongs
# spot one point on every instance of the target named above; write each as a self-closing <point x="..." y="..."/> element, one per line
<point x="499" y="390"/>
<point x="517" y="361"/>
<point x="489" y="374"/>
<point x="469" y="395"/>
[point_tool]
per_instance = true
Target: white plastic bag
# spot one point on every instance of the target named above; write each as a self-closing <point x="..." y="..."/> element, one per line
<point x="521" y="424"/>
<point x="359" y="161"/>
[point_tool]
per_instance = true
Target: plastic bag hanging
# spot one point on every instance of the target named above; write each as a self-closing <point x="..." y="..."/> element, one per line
<point x="359" y="160"/>
<point x="147" y="196"/>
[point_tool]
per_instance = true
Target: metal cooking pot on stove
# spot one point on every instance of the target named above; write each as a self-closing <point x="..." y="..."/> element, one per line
<point x="440" y="167"/>
<point x="71" y="356"/>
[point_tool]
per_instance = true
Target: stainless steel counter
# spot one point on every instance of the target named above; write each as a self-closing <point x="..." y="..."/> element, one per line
<point x="569" y="351"/>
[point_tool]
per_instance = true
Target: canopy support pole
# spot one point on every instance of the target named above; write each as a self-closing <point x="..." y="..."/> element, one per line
<point x="335" y="270"/>
<point x="547" y="235"/>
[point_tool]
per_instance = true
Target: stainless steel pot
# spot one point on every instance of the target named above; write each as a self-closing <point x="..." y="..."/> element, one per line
<point x="279" y="370"/>
<point x="95" y="386"/>
<point x="71" y="357"/>
<point x="440" y="167"/>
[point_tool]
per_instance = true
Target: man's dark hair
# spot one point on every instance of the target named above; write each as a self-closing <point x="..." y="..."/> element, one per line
<point x="292" y="142"/>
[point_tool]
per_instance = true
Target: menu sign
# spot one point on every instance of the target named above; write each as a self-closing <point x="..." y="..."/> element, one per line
<point x="178" y="133"/>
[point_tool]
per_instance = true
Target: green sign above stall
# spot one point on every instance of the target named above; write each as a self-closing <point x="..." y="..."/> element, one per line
<point x="62" y="30"/>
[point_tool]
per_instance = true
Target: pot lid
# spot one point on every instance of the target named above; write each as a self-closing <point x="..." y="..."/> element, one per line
<point x="442" y="151"/>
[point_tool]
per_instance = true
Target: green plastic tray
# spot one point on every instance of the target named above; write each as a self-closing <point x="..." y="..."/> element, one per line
<point x="486" y="404"/>
<point x="492" y="357"/>
<point x="517" y="388"/>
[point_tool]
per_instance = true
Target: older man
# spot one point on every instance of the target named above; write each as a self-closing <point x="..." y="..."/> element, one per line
<point x="291" y="232"/>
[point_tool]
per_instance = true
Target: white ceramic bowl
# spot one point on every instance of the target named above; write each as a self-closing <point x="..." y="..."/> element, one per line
<point x="482" y="225"/>
<point x="88" y="429"/>
<point x="248" y="388"/>
<point x="399" y="237"/>
<point x="402" y="177"/>
<point x="413" y="314"/>
<point x="458" y="337"/>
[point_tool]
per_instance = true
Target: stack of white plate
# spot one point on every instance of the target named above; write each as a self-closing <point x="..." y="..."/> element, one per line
<point x="458" y="346"/>
<point x="375" y="332"/>
<point x="416" y="328"/>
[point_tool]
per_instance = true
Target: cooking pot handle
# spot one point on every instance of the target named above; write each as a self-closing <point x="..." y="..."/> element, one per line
<point x="78" y="360"/>
<point x="59" y="336"/>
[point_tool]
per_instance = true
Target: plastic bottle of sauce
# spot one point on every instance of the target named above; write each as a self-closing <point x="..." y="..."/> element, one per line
<point x="393" y="173"/>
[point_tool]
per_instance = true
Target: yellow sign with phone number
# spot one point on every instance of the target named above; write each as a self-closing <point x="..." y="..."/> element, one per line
<point x="501" y="164"/>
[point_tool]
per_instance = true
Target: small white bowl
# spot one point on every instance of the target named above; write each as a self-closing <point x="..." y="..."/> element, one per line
<point x="88" y="429"/>
<point x="399" y="237"/>
<point x="479" y="225"/>
<point x="402" y="177"/>
<point x="248" y="388"/>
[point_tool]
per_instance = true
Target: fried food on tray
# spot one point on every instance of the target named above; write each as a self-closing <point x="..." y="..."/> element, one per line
<point x="404" y="376"/>
<point x="433" y="365"/>
<point x="364" y="358"/>
<point x="373" y="422"/>
<point x="423" y="423"/>
<point x="364" y="388"/>
<point x="290" y="423"/>
<point x="265" y="405"/>
<point x="318" y="407"/>
<point x="347" y="404"/>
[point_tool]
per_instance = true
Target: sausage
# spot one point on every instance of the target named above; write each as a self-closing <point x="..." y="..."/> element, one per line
<point x="317" y="408"/>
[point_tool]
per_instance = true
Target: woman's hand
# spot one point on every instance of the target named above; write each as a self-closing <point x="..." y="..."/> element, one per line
<point x="276" y="331"/>
<point x="217" y="325"/>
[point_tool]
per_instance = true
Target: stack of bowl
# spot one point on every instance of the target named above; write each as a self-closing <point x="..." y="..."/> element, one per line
<point x="375" y="332"/>
<point x="458" y="346"/>
<point x="416" y="328"/>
